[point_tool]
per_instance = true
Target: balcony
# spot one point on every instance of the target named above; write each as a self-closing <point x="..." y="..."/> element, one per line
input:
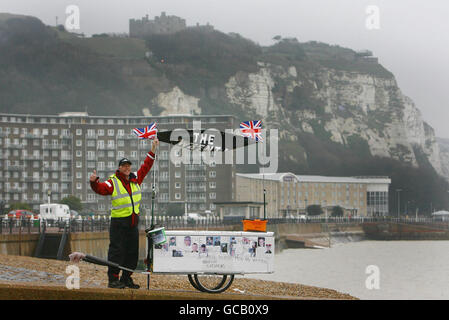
<point x="196" y="178"/>
<point x="32" y="157"/>
<point x="199" y="167"/>
<point x="52" y="146"/>
<point x="196" y="200"/>
<point x="13" y="146"/>
<point x="15" y="168"/>
<point x="66" y="179"/>
<point x="32" y="136"/>
<point x="52" y="168"/>
<point x="197" y="189"/>
<point x="109" y="147"/>
<point x="13" y="190"/>
<point x="128" y="136"/>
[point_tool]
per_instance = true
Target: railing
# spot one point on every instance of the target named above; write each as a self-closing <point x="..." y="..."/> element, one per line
<point x="102" y="223"/>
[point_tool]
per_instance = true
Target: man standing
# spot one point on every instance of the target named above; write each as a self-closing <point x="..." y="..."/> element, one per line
<point x="124" y="188"/>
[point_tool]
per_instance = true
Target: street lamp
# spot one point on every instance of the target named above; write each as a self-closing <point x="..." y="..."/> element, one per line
<point x="48" y="197"/>
<point x="399" y="201"/>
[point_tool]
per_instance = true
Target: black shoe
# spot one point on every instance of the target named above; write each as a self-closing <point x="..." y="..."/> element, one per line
<point x="129" y="283"/>
<point x="116" y="284"/>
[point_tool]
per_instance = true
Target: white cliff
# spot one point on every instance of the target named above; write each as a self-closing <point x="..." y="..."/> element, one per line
<point x="177" y="102"/>
<point x="370" y="107"/>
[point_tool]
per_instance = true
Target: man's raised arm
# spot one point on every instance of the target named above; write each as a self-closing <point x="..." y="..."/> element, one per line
<point x="148" y="163"/>
<point x="103" y="188"/>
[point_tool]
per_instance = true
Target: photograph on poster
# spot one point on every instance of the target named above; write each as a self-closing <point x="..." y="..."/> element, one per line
<point x="177" y="253"/>
<point x="172" y="241"/>
<point x="224" y="247"/>
<point x="217" y="241"/>
<point x="187" y="241"/>
<point x="261" y="241"/>
<point x="203" y="251"/>
<point x="268" y="248"/>
<point x="195" y="247"/>
<point x="209" y="241"/>
<point x="232" y="250"/>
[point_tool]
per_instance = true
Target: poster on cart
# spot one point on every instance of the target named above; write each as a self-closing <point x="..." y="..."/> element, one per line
<point x="221" y="252"/>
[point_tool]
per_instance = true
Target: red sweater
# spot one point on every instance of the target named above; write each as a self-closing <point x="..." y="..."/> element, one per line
<point x="107" y="187"/>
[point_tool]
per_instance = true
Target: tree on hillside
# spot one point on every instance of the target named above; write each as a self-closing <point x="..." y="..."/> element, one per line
<point x="314" y="210"/>
<point x="337" y="211"/>
<point x="73" y="202"/>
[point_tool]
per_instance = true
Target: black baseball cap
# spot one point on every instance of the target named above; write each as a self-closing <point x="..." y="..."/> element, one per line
<point x="123" y="161"/>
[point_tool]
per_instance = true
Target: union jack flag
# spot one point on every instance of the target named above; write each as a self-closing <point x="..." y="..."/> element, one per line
<point x="252" y="129"/>
<point x="149" y="132"/>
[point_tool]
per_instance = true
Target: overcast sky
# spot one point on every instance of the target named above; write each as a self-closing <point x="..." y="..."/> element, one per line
<point x="411" y="39"/>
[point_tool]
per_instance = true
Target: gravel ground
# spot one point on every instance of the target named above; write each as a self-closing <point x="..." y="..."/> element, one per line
<point x="21" y="270"/>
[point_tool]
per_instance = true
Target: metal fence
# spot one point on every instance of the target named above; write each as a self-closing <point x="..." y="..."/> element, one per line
<point x="102" y="223"/>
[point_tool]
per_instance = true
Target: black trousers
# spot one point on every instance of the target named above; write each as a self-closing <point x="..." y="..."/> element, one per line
<point x="123" y="246"/>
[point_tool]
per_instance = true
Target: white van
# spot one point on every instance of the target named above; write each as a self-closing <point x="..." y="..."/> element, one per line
<point x="54" y="211"/>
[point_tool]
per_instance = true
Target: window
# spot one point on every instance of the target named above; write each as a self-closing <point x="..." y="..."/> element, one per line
<point x="177" y="185"/>
<point x="79" y="175"/>
<point x="212" y="195"/>
<point x="78" y="186"/>
<point x="111" y="132"/>
<point x="79" y="143"/>
<point x="177" y="174"/>
<point x="54" y="132"/>
<point x="177" y="196"/>
<point x="212" y="174"/>
<point x="212" y="185"/>
<point x="78" y="153"/>
<point x="79" y="164"/>
<point x="100" y="131"/>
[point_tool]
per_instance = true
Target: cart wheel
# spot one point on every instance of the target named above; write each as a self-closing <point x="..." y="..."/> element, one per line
<point x="193" y="282"/>
<point x="213" y="283"/>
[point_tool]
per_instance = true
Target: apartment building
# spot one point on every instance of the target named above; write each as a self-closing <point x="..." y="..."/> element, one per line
<point x="289" y="194"/>
<point x="56" y="154"/>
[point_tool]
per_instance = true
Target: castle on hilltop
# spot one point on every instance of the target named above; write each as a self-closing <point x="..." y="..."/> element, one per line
<point x="163" y="24"/>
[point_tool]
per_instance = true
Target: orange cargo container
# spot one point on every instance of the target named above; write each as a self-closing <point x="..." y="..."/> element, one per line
<point x="255" y="225"/>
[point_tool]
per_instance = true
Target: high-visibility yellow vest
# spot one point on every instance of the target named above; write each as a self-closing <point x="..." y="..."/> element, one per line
<point x="122" y="203"/>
